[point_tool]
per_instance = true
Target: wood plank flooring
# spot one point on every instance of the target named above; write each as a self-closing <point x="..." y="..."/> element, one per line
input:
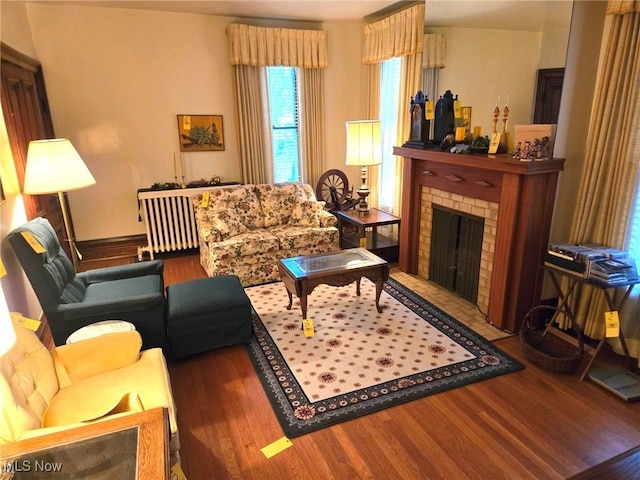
<point x="533" y="424"/>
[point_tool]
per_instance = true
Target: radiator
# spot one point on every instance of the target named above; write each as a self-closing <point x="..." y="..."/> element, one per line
<point x="169" y="220"/>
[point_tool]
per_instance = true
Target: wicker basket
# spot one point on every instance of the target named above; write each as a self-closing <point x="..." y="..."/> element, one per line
<point x="548" y="351"/>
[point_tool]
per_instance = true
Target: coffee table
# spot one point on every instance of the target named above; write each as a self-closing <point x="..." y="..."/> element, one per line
<point x="302" y="274"/>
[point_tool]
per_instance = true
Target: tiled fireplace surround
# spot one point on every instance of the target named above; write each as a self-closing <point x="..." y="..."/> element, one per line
<point x="474" y="206"/>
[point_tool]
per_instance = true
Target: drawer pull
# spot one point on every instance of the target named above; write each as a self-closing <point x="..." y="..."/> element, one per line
<point x="429" y="173"/>
<point x="483" y="183"/>
<point x="454" y="178"/>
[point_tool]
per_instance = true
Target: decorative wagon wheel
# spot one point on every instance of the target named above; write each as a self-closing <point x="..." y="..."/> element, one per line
<point x="333" y="188"/>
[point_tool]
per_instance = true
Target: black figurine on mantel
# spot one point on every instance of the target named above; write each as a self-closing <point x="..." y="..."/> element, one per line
<point x="420" y="126"/>
<point x="444" y="118"/>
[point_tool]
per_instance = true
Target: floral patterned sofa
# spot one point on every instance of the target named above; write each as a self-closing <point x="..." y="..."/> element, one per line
<point x="245" y="229"/>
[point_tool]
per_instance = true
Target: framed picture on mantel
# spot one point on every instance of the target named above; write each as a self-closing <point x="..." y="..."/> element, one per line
<point x="200" y="133"/>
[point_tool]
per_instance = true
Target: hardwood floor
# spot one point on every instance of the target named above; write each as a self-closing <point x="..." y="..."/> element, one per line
<point x="533" y="424"/>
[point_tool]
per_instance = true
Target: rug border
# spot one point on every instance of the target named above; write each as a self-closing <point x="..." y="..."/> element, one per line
<point x="280" y="404"/>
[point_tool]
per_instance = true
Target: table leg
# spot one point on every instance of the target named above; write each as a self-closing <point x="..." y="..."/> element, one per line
<point x="303" y="304"/>
<point x="379" y="285"/>
<point x="358" y="286"/>
<point x="290" y="300"/>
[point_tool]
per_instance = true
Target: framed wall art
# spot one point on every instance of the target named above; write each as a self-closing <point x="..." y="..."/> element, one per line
<point x="200" y="133"/>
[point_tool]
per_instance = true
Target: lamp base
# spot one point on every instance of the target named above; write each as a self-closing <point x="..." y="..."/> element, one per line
<point x="363" y="207"/>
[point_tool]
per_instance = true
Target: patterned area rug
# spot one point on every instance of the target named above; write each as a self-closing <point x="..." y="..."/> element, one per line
<point x="360" y="361"/>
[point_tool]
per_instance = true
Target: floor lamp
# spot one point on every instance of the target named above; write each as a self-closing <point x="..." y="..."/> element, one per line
<point x="54" y="166"/>
<point x="364" y="148"/>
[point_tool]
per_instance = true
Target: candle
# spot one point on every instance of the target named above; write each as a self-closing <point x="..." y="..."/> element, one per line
<point x="460" y="134"/>
<point x="175" y="173"/>
<point x="477" y="131"/>
<point x="507" y="100"/>
<point x="498" y="101"/>
<point x="182" y="169"/>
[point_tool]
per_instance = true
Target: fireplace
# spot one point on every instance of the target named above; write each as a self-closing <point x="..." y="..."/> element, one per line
<point x="514" y="242"/>
<point x="476" y="282"/>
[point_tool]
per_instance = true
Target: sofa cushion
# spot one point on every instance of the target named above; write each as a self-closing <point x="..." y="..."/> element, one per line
<point x="226" y="223"/>
<point x="301" y="238"/>
<point x="277" y="201"/>
<point x="306" y="213"/>
<point x="251" y="243"/>
<point x="239" y="198"/>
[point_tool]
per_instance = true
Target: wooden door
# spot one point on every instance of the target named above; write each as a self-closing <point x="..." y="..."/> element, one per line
<point x="26" y="115"/>
<point x="548" y="95"/>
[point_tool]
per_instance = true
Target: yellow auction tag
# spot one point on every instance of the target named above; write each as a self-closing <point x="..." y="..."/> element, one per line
<point x="495" y="142"/>
<point x="3" y="271"/>
<point x="26" y="322"/>
<point x="276" y="447"/>
<point x="177" y="473"/>
<point x="456" y="109"/>
<point x="612" y="322"/>
<point x="307" y="327"/>
<point x="205" y="200"/>
<point x="429" y="114"/>
<point x="33" y="243"/>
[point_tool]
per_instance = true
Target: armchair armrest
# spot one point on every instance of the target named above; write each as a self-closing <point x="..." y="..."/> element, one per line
<point x="153" y="267"/>
<point x="93" y="356"/>
<point x="108" y="309"/>
<point x="328" y="219"/>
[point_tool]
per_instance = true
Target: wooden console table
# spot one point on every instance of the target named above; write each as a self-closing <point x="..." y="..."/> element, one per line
<point x="525" y="193"/>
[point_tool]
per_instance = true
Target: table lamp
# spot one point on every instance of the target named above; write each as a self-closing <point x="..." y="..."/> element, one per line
<point x="364" y="148"/>
<point x="54" y="166"/>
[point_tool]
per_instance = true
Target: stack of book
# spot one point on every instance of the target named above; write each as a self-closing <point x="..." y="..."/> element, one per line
<point x="596" y="262"/>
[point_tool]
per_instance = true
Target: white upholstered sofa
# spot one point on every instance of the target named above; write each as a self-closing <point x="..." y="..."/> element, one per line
<point x="244" y="229"/>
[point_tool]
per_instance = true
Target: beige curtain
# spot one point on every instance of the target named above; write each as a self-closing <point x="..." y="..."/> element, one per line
<point x="312" y="116"/>
<point x="434" y="50"/>
<point x="252" y="48"/>
<point x="400" y="34"/>
<point x="373" y="112"/>
<point x="612" y="162"/>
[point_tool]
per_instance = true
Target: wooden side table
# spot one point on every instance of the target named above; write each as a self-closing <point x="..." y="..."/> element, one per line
<point x="614" y="303"/>
<point x="358" y="230"/>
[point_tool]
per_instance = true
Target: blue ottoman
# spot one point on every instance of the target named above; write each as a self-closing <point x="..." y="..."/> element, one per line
<point x="207" y="313"/>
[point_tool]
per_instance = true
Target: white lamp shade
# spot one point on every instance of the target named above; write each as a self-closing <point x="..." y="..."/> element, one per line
<point x="7" y="333"/>
<point x="364" y="143"/>
<point x="54" y="166"/>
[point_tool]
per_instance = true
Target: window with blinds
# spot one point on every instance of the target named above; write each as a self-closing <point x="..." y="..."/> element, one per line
<point x="283" y="111"/>
<point x="389" y="104"/>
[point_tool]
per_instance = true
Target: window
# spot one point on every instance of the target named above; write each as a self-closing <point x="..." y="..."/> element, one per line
<point x="389" y="104"/>
<point x="283" y="113"/>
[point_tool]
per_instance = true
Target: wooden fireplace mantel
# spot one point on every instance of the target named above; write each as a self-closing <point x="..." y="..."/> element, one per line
<point x="525" y="193"/>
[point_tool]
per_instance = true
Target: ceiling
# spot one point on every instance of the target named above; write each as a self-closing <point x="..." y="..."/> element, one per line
<point x="533" y="15"/>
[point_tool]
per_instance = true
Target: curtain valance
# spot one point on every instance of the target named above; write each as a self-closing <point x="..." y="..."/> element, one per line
<point x="263" y="46"/>
<point x="622" y="7"/>
<point x="397" y="35"/>
<point x="434" y="52"/>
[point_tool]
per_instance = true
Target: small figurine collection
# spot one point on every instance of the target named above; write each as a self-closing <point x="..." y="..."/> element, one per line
<point x="538" y="149"/>
<point x="215" y="180"/>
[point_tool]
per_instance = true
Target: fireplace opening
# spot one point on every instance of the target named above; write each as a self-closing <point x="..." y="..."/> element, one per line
<point x="456" y="251"/>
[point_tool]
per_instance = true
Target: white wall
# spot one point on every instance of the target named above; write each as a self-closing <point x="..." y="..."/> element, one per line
<point x="482" y="64"/>
<point x="116" y="79"/>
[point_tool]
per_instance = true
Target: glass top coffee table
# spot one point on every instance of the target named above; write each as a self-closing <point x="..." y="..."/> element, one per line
<point x="301" y="275"/>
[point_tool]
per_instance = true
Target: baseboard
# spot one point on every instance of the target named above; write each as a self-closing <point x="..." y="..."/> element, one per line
<point x="111" y="248"/>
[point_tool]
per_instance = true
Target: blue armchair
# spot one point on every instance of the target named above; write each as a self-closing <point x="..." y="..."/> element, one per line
<point x="70" y="300"/>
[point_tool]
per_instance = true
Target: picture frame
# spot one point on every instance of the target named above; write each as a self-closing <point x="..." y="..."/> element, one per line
<point x="200" y="133"/>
